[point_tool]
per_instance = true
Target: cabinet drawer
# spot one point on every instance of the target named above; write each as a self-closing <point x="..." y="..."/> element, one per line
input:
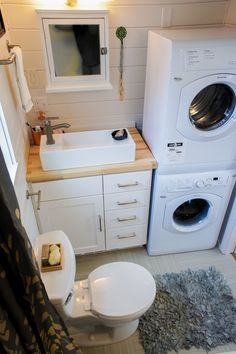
<point x="123" y="182"/>
<point x="69" y="188"/>
<point x="127" y="200"/>
<point x="126" y="217"/>
<point x="126" y="237"/>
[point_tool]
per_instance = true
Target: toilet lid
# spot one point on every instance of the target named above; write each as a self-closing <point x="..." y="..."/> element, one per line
<point x="121" y="289"/>
<point x="59" y="283"/>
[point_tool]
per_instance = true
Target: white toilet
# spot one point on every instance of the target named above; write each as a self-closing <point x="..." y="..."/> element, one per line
<point x="104" y="308"/>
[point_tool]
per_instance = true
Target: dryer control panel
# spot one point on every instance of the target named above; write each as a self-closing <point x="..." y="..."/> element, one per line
<point x="202" y="181"/>
<point x="210" y="58"/>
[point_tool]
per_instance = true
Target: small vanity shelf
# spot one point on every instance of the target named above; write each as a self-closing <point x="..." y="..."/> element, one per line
<point x="76" y="50"/>
<point x="100" y="208"/>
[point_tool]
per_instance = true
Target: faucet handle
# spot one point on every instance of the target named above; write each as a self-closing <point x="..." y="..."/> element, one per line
<point x="47" y="123"/>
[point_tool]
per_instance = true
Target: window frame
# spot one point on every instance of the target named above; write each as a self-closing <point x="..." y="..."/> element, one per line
<point x="6" y="147"/>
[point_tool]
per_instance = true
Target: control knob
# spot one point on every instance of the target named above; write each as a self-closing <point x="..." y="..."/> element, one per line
<point x="208" y="182"/>
<point x="200" y="183"/>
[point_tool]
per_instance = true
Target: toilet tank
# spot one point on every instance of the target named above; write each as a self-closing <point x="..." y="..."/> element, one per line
<point x="58" y="283"/>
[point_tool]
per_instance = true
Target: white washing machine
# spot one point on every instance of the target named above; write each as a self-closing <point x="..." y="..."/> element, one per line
<point x="187" y="211"/>
<point x="190" y="99"/>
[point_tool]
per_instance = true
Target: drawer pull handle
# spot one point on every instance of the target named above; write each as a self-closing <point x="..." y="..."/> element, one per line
<point x="28" y="195"/>
<point x="100" y="223"/>
<point x="127" y="219"/>
<point x="128" y="185"/>
<point x="127" y="235"/>
<point x="127" y="203"/>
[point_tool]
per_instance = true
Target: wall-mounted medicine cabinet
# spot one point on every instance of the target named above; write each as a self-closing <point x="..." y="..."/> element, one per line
<point x="75" y="49"/>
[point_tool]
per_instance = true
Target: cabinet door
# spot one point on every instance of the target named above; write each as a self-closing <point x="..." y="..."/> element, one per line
<point x="80" y="218"/>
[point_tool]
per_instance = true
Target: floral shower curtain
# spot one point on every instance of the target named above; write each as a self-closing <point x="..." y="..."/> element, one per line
<point x="28" y="321"/>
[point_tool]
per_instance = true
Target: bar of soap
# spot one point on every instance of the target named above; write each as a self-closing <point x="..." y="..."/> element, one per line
<point x="119" y="133"/>
<point x="54" y="247"/>
<point x="54" y="257"/>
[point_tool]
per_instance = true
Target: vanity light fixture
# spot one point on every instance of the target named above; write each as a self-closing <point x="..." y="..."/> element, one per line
<point x="71" y="3"/>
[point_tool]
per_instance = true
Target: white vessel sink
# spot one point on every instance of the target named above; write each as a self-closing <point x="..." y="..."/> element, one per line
<point x="81" y="149"/>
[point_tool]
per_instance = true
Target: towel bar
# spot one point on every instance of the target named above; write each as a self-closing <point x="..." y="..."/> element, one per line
<point x="11" y="58"/>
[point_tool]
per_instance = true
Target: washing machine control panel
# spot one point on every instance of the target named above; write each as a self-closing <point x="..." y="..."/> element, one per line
<point x="211" y="182"/>
<point x="183" y="183"/>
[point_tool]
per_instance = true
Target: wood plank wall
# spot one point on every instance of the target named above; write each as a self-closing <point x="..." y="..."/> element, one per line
<point x="102" y="109"/>
<point x="15" y="120"/>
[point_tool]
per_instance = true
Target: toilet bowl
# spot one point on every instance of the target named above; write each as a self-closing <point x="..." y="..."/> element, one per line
<point x="105" y="307"/>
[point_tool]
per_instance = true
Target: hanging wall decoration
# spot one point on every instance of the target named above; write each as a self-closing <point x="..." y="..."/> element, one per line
<point x="121" y="33"/>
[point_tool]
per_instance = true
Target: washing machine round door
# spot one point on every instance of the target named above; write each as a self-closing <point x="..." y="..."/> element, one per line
<point x="189" y="214"/>
<point x="212" y="107"/>
<point x="207" y="107"/>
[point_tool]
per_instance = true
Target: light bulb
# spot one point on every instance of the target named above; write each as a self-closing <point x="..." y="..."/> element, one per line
<point x="71" y="3"/>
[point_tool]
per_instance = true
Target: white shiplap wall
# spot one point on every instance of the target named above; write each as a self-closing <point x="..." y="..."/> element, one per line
<point x="15" y="120"/>
<point x="231" y="13"/>
<point x="99" y="109"/>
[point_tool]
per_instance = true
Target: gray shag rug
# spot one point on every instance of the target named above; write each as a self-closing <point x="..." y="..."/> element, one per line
<point x="192" y="308"/>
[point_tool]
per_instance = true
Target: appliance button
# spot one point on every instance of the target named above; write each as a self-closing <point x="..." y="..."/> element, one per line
<point x="178" y="78"/>
<point x="208" y="182"/>
<point x="200" y="183"/>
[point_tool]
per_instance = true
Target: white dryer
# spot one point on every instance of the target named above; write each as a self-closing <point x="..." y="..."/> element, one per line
<point x="190" y="99"/>
<point x="187" y="211"/>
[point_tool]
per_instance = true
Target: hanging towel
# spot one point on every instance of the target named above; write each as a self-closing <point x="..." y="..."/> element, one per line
<point x="25" y="96"/>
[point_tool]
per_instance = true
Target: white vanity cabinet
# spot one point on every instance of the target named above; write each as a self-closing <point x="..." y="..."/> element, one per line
<point x="76" y="207"/>
<point x="97" y="213"/>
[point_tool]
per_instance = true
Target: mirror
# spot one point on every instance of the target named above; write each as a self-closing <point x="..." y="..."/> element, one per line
<point x="2" y="26"/>
<point x="75" y="49"/>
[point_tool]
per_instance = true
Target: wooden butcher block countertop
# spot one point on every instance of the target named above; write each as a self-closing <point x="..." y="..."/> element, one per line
<point x="144" y="161"/>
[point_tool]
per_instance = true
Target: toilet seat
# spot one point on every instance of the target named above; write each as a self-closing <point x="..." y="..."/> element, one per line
<point x="120" y="290"/>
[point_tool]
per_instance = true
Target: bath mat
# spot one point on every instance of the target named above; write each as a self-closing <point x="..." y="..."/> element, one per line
<point x="192" y="308"/>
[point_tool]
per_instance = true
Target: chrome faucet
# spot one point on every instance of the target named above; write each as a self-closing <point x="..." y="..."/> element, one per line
<point x="48" y="128"/>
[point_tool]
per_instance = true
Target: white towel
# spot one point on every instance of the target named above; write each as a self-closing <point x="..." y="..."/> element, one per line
<point x="25" y="96"/>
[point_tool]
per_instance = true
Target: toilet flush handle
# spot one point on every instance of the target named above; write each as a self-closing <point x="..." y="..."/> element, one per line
<point x="69" y="297"/>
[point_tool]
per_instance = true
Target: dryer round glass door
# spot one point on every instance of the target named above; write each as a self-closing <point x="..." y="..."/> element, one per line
<point x="207" y="108"/>
<point x="191" y="213"/>
<point x="212" y="107"/>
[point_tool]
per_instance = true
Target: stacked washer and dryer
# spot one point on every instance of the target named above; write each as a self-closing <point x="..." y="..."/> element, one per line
<point x="190" y="126"/>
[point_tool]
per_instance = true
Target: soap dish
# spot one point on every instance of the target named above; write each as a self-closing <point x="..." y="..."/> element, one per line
<point x="119" y="134"/>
